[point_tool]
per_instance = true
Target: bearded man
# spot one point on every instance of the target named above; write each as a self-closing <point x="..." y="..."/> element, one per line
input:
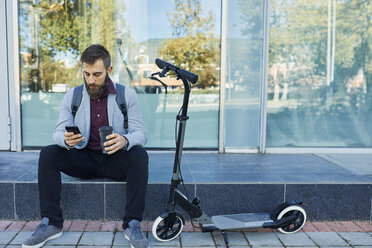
<point x="81" y="154"/>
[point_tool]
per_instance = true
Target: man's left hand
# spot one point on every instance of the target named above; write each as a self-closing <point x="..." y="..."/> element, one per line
<point x="114" y="143"/>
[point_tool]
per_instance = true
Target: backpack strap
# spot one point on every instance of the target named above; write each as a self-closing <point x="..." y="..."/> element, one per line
<point x="76" y="99"/>
<point x="120" y="100"/>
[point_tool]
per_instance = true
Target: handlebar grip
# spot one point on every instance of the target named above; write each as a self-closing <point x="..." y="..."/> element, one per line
<point x="191" y="77"/>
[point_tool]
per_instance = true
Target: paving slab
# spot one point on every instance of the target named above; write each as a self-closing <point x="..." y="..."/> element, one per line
<point x="119" y="239"/>
<point x="196" y="239"/>
<point x="68" y="238"/>
<point x="20" y="238"/>
<point x="82" y="246"/>
<point x="162" y="246"/>
<point x="325" y="239"/>
<point x="97" y="238"/>
<point x="151" y="246"/>
<point x="235" y="239"/>
<point x="357" y="238"/>
<point x="296" y="239"/>
<point x="173" y="243"/>
<point x="268" y="246"/>
<point x="262" y="239"/>
<point x="6" y="237"/>
<point x="59" y="246"/>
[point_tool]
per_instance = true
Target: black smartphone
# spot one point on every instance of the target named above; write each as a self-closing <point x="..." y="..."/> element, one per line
<point x="103" y="132"/>
<point x="73" y="129"/>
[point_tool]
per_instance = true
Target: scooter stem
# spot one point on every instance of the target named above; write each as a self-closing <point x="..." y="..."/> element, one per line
<point x="182" y="118"/>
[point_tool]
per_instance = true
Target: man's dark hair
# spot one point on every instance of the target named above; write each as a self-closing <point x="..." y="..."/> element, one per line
<point x="94" y="53"/>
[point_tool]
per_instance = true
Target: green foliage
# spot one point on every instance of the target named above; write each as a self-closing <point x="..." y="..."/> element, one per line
<point x="65" y="29"/>
<point x="194" y="46"/>
<point x="300" y="28"/>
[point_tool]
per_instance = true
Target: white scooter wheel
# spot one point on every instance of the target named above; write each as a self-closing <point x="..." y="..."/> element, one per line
<point x="168" y="228"/>
<point x="297" y="224"/>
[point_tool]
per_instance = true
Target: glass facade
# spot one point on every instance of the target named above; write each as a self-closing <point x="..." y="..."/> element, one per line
<point x="319" y="73"/>
<point x="53" y="34"/>
<point x="243" y="73"/>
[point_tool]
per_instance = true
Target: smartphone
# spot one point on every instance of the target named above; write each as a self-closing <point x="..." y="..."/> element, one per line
<point x="103" y="132"/>
<point x="73" y="129"/>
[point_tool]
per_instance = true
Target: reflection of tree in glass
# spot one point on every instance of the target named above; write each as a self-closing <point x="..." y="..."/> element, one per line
<point x="322" y="51"/>
<point x="252" y="17"/>
<point x="299" y="36"/>
<point x="194" y="46"/>
<point x="65" y="29"/>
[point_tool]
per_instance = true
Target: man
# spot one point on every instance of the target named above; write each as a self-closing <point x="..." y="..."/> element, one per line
<point x="80" y="155"/>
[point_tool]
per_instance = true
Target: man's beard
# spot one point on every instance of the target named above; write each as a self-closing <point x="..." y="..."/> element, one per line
<point x="96" y="93"/>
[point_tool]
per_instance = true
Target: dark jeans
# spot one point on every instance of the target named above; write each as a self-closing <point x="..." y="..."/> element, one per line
<point x="130" y="166"/>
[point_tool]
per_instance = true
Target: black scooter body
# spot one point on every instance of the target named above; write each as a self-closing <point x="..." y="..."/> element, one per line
<point x="288" y="217"/>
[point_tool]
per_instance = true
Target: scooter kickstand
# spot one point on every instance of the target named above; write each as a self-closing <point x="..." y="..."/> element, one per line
<point x="224" y="234"/>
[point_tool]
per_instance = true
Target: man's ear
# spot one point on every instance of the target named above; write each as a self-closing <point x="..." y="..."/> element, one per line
<point x="109" y="70"/>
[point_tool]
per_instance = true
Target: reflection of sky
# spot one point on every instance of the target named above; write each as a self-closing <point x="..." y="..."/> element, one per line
<point x="146" y="19"/>
<point x="234" y="21"/>
<point x="24" y="32"/>
<point x="149" y="20"/>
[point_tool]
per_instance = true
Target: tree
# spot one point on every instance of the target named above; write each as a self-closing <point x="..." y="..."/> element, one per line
<point x="194" y="46"/>
<point x="299" y="29"/>
<point x="64" y="29"/>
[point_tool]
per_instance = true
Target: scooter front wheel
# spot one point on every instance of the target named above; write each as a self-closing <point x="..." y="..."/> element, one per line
<point x="295" y="225"/>
<point x="167" y="227"/>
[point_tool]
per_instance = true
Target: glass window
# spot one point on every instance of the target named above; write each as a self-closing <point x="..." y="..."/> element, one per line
<point x="54" y="33"/>
<point x="320" y="74"/>
<point x="243" y="73"/>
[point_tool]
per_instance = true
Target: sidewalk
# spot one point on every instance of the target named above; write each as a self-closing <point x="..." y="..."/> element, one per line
<point x="94" y="234"/>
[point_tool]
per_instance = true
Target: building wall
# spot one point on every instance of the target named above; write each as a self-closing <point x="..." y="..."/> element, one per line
<point x="273" y="74"/>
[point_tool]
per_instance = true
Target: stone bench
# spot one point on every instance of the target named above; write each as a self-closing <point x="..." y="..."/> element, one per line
<point x="336" y="187"/>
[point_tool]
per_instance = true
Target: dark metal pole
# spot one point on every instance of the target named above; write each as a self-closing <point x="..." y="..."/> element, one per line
<point x="179" y="145"/>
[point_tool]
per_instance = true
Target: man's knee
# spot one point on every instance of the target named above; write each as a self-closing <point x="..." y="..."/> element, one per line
<point x="139" y="156"/>
<point x="49" y="154"/>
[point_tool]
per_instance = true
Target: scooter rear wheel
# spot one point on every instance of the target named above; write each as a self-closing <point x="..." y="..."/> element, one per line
<point x="297" y="224"/>
<point x="167" y="228"/>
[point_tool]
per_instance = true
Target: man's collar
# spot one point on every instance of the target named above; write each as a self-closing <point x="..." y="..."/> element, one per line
<point x="111" y="87"/>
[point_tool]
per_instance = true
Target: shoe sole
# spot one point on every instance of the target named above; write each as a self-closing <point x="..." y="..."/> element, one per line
<point x="131" y="246"/>
<point x="57" y="235"/>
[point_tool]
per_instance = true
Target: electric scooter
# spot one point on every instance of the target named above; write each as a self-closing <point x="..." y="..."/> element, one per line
<point x="288" y="217"/>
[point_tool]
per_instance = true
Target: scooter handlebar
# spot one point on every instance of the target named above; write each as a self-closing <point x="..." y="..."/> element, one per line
<point x="191" y="77"/>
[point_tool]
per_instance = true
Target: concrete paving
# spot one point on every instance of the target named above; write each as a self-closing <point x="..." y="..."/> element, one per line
<point x="86" y="239"/>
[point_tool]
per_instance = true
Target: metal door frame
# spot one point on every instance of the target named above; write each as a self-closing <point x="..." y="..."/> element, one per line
<point x="4" y="95"/>
<point x="11" y="11"/>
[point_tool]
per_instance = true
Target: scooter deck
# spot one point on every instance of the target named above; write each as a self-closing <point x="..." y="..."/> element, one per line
<point x="241" y="221"/>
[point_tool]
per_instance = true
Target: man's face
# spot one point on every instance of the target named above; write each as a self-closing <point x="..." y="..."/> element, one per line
<point x="95" y="77"/>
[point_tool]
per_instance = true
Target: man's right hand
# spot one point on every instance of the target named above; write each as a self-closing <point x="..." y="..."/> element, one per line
<point x="72" y="139"/>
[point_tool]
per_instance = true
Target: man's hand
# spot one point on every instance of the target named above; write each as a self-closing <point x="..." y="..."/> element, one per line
<point x="72" y="139"/>
<point x="114" y="143"/>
